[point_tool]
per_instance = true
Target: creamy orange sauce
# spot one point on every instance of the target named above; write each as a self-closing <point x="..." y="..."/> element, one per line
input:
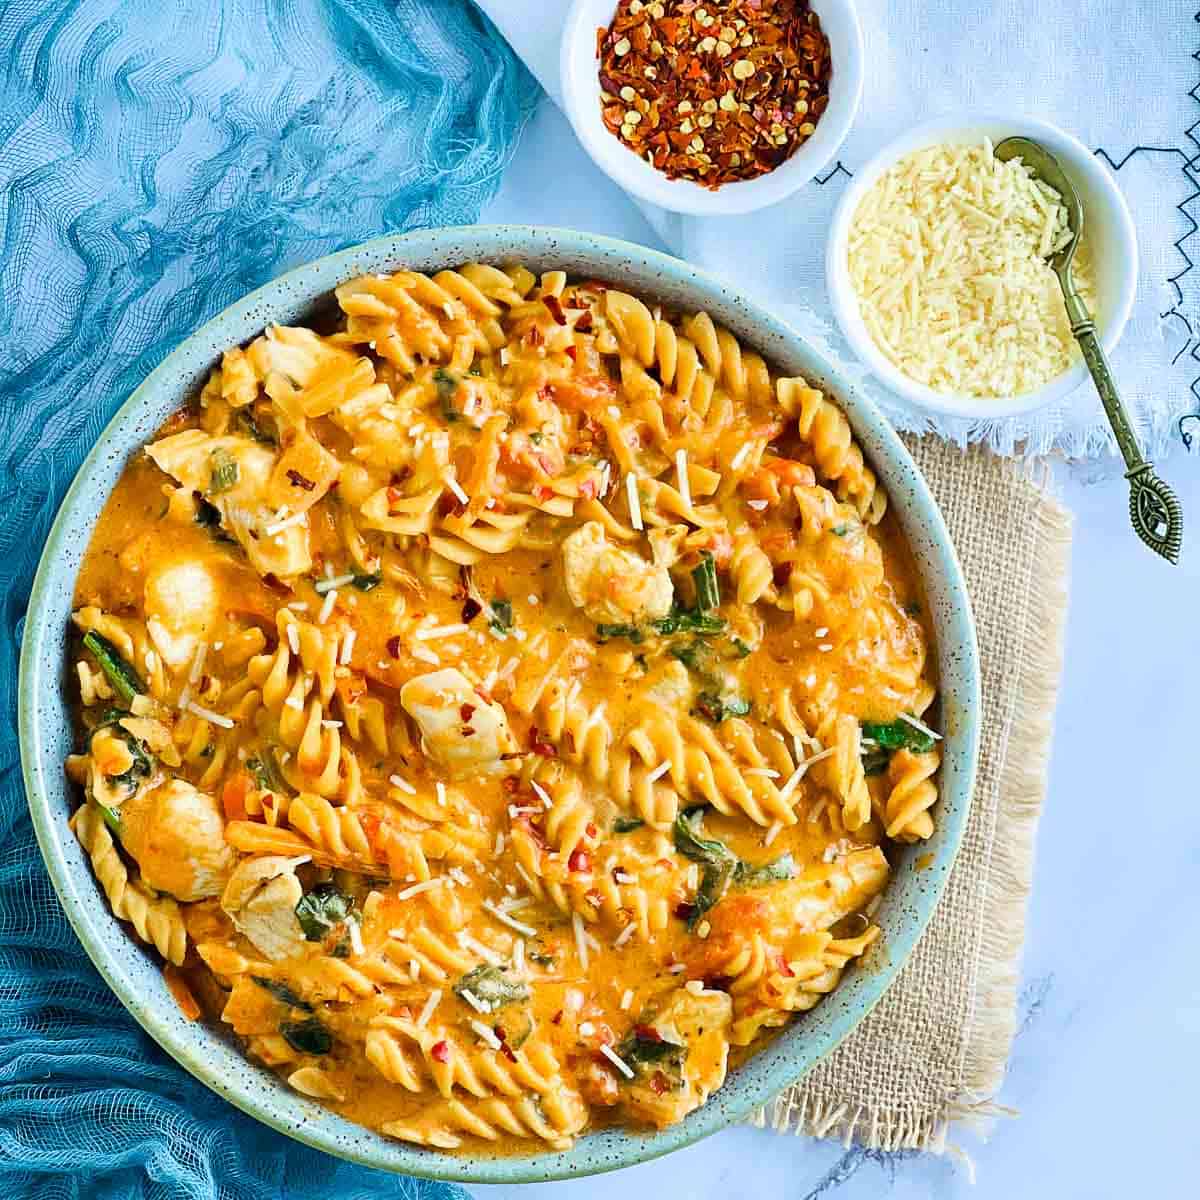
<point x="501" y="667"/>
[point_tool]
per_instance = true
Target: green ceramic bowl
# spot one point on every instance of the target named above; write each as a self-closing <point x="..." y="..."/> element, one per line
<point x="45" y="697"/>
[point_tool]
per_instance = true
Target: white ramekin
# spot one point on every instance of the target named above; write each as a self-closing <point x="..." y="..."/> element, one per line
<point x="579" y="70"/>
<point x="1107" y="226"/>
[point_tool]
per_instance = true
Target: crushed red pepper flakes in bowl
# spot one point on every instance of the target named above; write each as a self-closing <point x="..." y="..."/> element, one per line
<point x="713" y="91"/>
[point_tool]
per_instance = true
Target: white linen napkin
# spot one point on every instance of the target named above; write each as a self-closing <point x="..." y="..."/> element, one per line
<point x="1120" y="77"/>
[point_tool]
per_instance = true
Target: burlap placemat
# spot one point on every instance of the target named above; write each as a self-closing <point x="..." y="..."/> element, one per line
<point x="933" y="1051"/>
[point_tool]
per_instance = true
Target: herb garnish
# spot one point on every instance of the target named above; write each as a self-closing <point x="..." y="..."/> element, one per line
<point x="117" y="671"/>
<point x="365" y="583"/>
<point x="307" y="1037"/>
<point x="500" y="616"/>
<point x="447" y="389"/>
<point x="224" y="472"/>
<point x="321" y="910"/>
<point x="282" y="993"/>
<point x="717" y="708"/>
<point x="491" y="986"/>
<point x="722" y="868"/>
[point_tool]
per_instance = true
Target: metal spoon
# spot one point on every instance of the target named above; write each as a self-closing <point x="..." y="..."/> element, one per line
<point x="1154" y="510"/>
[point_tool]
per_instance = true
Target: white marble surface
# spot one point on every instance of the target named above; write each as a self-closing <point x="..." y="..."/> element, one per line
<point x="1105" y="1067"/>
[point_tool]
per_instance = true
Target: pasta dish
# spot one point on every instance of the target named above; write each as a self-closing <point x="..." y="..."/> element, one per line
<point x="496" y="705"/>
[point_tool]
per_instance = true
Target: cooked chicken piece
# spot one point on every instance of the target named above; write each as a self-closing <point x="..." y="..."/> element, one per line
<point x="182" y="610"/>
<point x="459" y="728"/>
<point x="612" y="584"/>
<point x="261" y="898"/>
<point x="669" y="1086"/>
<point x="177" y="835"/>
<point x="234" y="475"/>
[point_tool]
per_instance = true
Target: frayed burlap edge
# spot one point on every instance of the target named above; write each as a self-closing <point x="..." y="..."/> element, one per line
<point x="991" y="1023"/>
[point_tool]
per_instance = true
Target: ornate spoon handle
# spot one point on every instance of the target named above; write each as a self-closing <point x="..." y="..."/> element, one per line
<point x="1154" y="509"/>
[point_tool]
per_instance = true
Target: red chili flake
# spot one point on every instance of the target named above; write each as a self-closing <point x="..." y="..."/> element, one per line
<point x="466" y="731"/>
<point x="556" y="310"/>
<point x="590" y="830"/>
<point x="393" y="647"/>
<point x="584" y="324"/>
<point x="579" y="861"/>
<point x="440" y="1052"/>
<point x="466" y="712"/>
<point x="510" y="784"/>
<point x="470" y="610"/>
<point x="557" y="1018"/>
<point x="533" y="336"/>
<point x="299" y="480"/>
<point x="782" y="573"/>
<point x="685" y="911"/>
<point x="571" y="353"/>
<point x="716" y="92"/>
<point x="541" y="492"/>
<point x="647" y="1033"/>
<point x="658" y="1083"/>
<point x="394" y="496"/>
<point x="539" y="747"/>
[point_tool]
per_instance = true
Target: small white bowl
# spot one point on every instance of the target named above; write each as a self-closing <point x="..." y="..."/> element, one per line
<point x="580" y="68"/>
<point x="1107" y="225"/>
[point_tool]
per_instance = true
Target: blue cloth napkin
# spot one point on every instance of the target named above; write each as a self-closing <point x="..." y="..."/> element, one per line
<point x="157" y="161"/>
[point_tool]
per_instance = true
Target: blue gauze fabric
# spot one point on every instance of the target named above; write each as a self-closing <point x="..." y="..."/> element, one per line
<point x="158" y="159"/>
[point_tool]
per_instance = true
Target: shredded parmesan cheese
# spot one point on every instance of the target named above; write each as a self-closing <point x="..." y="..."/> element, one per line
<point x="327" y="607"/>
<point x="431" y="1003"/>
<point x="681" y="471"/>
<point x="635" y="503"/>
<point x="920" y="725"/>
<point x="417" y="888"/>
<point x="947" y="255"/>
<point x="207" y="714"/>
<point x="580" y="941"/>
<point x="617" y="1061"/>
<point x="505" y="919"/>
<point x="336" y="581"/>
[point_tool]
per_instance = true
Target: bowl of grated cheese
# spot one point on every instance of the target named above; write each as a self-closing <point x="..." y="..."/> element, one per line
<point x="937" y="272"/>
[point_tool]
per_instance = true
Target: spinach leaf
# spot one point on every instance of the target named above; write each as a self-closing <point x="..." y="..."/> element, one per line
<point x="627" y="824"/>
<point x="607" y="632"/>
<point x="718" y="861"/>
<point x="688" y="620"/>
<point x="447" y="389"/>
<point x="308" y="1037"/>
<point x="141" y="767"/>
<point x="207" y="514"/>
<point x="898" y="735"/>
<point x="704" y="576"/>
<point x="249" y="425"/>
<point x="717" y="708"/>
<point x="321" y="910"/>
<point x="117" y="671"/>
<point x="282" y="993"/>
<point x="365" y="583"/>
<point x="875" y="760"/>
<point x="266" y="773"/>
<point x="645" y="1048"/>
<point x="722" y="868"/>
<point x="692" y="656"/>
<point x="224" y="472"/>
<point x="749" y="875"/>
<point x="743" y="650"/>
<point x="500" y="616"/>
<point x="492" y="986"/>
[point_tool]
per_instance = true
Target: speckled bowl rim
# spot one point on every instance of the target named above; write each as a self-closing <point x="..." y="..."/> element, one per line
<point x="45" y="724"/>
